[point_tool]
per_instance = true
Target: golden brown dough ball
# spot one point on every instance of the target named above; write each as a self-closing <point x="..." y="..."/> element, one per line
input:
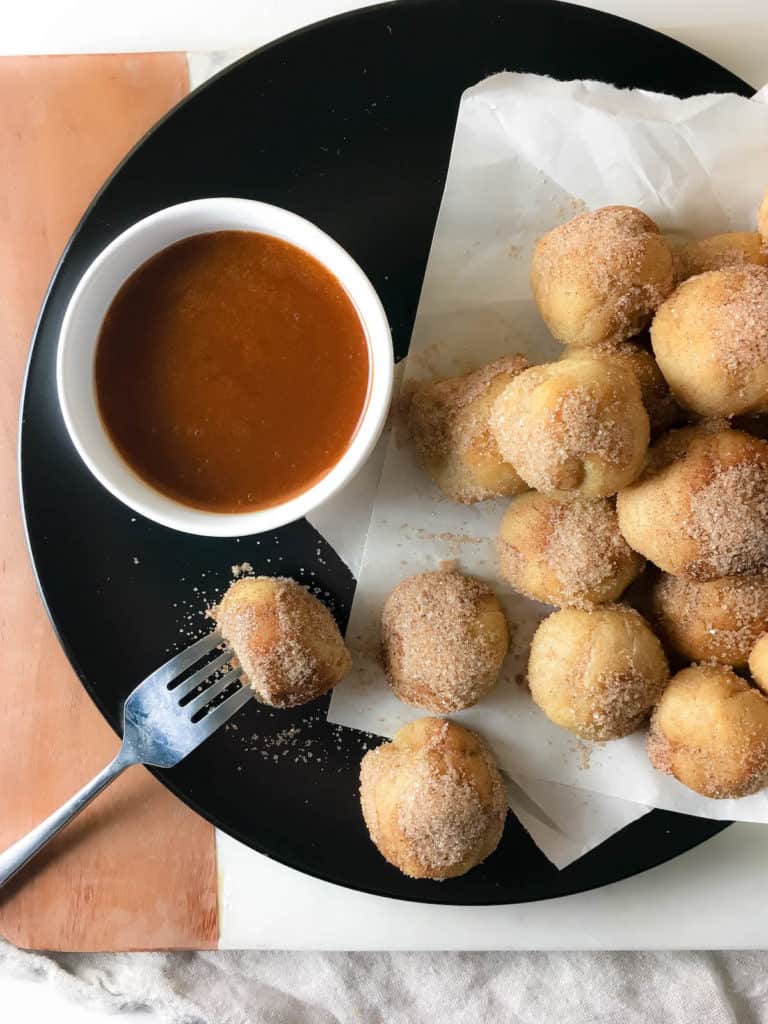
<point x="762" y="218"/>
<point x="565" y="552"/>
<point x="577" y="425"/>
<point x="732" y="249"/>
<point x="448" y="422"/>
<point x="717" y="620"/>
<point x="599" y="277"/>
<point x="596" y="673"/>
<point x="663" y="411"/>
<point x="433" y="799"/>
<point x="710" y="339"/>
<point x="286" y="641"/>
<point x="443" y="639"/>
<point x="700" y="509"/>
<point x="758" y="663"/>
<point x="710" y="731"/>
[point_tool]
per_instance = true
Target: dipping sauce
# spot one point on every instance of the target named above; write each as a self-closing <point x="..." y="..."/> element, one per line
<point x="231" y="371"/>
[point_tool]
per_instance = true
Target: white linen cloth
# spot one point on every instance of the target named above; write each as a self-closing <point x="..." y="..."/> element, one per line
<point x="410" y="988"/>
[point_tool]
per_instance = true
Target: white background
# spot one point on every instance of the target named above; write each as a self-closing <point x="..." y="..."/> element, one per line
<point x="734" y="32"/>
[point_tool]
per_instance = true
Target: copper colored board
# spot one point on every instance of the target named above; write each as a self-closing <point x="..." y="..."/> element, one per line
<point x="137" y="870"/>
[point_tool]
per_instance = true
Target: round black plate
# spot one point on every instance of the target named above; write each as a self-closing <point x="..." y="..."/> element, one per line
<point x="348" y="123"/>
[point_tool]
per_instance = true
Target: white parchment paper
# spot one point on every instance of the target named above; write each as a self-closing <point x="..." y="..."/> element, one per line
<point x="563" y="822"/>
<point x="529" y="153"/>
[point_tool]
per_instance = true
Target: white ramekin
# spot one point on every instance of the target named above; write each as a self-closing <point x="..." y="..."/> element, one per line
<point x="89" y="304"/>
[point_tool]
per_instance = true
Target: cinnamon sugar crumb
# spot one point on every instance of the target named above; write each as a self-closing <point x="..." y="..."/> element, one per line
<point x="585" y="754"/>
<point x="242" y="569"/>
<point x="401" y="412"/>
<point x="449" y="538"/>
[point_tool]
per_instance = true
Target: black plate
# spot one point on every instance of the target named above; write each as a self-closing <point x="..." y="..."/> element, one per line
<point x="350" y="124"/>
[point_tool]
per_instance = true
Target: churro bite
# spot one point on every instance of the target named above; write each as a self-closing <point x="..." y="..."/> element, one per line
<point x="710" y="731"/>
<point x="719" y="252"/>
<point x="578" y="425"/>
<point x="444" y="637"/>
<point x="597" y="673"/>
<point x="710" y="339"/>
<point x="600" y="277"/>
<point x="449" y="426"/>
<point x="565" y="552"/>
<point x="433" y="799"/>
<point x="286" y="641"/>
<point x="700" y="509"/>
<point x="718" y="620"/>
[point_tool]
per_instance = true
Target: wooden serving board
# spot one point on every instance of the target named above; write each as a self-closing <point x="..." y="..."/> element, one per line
<point x="138" y="869"/>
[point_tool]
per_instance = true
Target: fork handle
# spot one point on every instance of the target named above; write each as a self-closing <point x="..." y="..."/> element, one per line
<point x="23" y="850"/>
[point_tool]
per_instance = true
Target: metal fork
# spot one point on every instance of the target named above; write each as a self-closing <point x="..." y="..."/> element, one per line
<point x="157" y="730"/>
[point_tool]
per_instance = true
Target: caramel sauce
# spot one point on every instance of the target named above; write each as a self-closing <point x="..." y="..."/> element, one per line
<point x="231" y="371"/>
